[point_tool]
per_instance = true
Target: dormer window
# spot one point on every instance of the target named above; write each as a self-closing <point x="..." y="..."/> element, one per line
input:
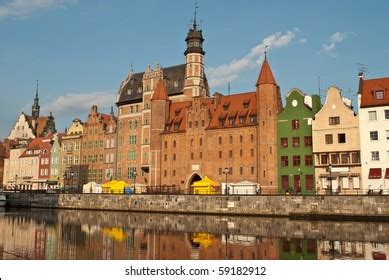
<point x="379" y="94"/>
<point x="175" y="84"/>
<point x="139" y="90"/>
<point x="246" y="103"/>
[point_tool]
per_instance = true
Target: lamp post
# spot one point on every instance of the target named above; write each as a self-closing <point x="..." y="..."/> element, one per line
<point x="330" y="170"/>
<point x="71" y="180"/>
<point x="134" y="174"/>
<point x="226" y="171"/>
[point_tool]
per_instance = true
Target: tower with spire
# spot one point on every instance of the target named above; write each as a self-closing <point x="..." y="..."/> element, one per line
<point x="35" y="106"/>
<point x="195" y="83"/>
<point x="269" y="104"/>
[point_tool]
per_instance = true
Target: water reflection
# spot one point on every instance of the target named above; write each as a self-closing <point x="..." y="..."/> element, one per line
<point x="50" y="234"/>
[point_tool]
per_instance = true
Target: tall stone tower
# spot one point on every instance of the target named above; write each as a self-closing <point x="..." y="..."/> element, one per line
<point x="195" y="83"/>
<point x="269" y="104"/>
<point x="35" y="106"/>
<point x="160" y="109"/>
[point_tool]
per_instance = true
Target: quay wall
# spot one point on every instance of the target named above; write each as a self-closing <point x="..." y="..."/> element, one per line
<point x="321" y="207"/>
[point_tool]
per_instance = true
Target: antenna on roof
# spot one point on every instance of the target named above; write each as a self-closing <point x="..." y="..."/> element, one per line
<point x="195" y="14"/>
<point x="362" y="69"/>
<point x="320" y="91"/>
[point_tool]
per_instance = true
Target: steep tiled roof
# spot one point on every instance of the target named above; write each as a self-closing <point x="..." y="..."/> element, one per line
<point x="177" y="116"/>
<point x="160" y="92"/>
<point x="37" y="144"/>
<point x="232" y="107"/>
<point x="173" y="76"/>
<point x="368" y="89"/>
<point x="266" y="75"/>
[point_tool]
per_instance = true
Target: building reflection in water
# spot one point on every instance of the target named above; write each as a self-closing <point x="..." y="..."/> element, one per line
<point x="25" y="236"/>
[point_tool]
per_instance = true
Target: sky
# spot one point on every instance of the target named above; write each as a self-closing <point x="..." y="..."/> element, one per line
<point x="81" y="50"/>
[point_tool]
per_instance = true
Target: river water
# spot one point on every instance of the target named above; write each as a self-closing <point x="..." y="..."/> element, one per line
<point x="107" y="235"/>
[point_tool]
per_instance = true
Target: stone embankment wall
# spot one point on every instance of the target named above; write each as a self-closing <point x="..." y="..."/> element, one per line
<point x="355" y="207"/>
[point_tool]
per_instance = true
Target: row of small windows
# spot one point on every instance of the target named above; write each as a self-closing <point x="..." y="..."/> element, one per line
<point x="232" y="121"/>
<point x="231" y="140"/>
<point x="374" y="135"/>
<point x="341" y="138"/>
<point x="297" y="160"/>
<point x="335" y="158"/>
<point x="296" y="141"/>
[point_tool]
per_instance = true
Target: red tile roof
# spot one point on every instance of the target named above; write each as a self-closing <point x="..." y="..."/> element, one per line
<point x="160" y="92"/>
<point x="40" y="143"/>
<point x="368" y="89"/>
<point x="177" y="116"/>
<point x="266" y="75"/>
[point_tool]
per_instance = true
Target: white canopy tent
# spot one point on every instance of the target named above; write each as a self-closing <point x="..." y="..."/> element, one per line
<point x="244" y="187"/>
<point x="91" y="187"/>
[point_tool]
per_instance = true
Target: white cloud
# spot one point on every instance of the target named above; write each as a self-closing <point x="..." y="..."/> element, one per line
<point x="78" y="105"/>
<point x="302" y="41"/>
<point x="25" y="8"/>
<point x="333" y="40"/>
<point x="222" y="74"/>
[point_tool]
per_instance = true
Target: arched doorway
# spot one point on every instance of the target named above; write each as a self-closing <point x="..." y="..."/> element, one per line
<point x="193" y="178"/>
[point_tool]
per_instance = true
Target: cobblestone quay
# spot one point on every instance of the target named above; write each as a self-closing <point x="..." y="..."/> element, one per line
<point x="339" y="206"/>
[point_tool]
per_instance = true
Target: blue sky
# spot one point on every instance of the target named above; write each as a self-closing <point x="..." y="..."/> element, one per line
<point x="81" y="50"/>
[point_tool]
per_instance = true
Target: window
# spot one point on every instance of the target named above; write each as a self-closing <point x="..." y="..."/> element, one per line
<point x="77" y="145"/>
<point x="328" y="139"/>
<point x="308" y="160"/>
<point x="375" y="156"/>
<point x="309" y="182"/>
<point x="130" y="172"/>
<point x="296" y="161"/>
<point x="284" y="142"/>
<point x="379" y="94"/>
<point x="201" y="155"/>
<point x="242" y="120"/>
<point x="175" y="84"/>
<point x="165" y="157"/>
<point x="252" y="152"/>
<point x="252" y="169"/>
<point x="308" y="141"/>
<point x="230" y="153"/>
<point x="253" y="119"/>
<point x="334" y="120"/>
<point x="132" y="155"/>
<point x="174" y="143"/>
<point x="202" y="123"/>
<point x="252" y="138"/>
<point x="387" y="135"/>
<point x="386" y="114"/>
<point x="190" y="124"/>
<point x="372" y="115"/>
<point x="220" y="154"/>
<point x="344" y="158"/>
<point x="295" y="124"/>
<point x="284" y="161"/>
<point x="334" y="159"/>
<point x="285" y="182"/>
<point x="355" y="158"/>
<point x="341" y="138"/>
<point x="220" y="140"/>
<point x="231" y="121"/>
<point x="133" y="139"/>
<point x="201" y="141"/>
<point x="296" y="141"/>
<point x="191" y="156"/>
<point x="241" y="171"/>
<point x="174" y="157"/>
<point x="373" y="135"/>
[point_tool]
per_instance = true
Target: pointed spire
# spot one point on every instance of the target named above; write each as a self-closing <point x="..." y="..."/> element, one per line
<point x="160" y="92"/>
<point x="37" y="89"/>
<point x="195" y="14"/>
<point x="266" y="75"/>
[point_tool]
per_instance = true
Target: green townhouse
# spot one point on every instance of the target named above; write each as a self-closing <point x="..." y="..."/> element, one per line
<point x="296" y="172"/>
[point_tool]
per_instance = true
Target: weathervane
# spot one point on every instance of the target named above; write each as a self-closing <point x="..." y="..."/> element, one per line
<point x="266" y="48"/>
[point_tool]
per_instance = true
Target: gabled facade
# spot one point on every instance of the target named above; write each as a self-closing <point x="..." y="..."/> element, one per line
<point x="296" y="171"/>
<point x="336" y="146"/>
<point x="29" y="127"/>
<point x="70" y="155"/>
<point x="98" y="149"/>
<point x="13" y="169"/>
<point x="55" y="163"/>
<point x="373" y="99"/>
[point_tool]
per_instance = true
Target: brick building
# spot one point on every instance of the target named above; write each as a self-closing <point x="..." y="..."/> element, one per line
<point x="98" y="147"/>
<point x="171" y="132"/>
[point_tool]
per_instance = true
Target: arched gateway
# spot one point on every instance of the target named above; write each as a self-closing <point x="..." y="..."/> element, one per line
<point x="192" y="178"/>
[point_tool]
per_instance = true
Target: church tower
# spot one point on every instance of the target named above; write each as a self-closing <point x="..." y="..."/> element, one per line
<point x="35" y="106"/>
<point x="269" y="104"/>
<point x="195" y="84"/>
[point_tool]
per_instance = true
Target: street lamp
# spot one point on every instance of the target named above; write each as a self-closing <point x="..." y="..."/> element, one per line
<point x="71" y="180"/>
<point x="226" y="171"/>
<point x="330" y="170"/>
<point x="134" y="174"/>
